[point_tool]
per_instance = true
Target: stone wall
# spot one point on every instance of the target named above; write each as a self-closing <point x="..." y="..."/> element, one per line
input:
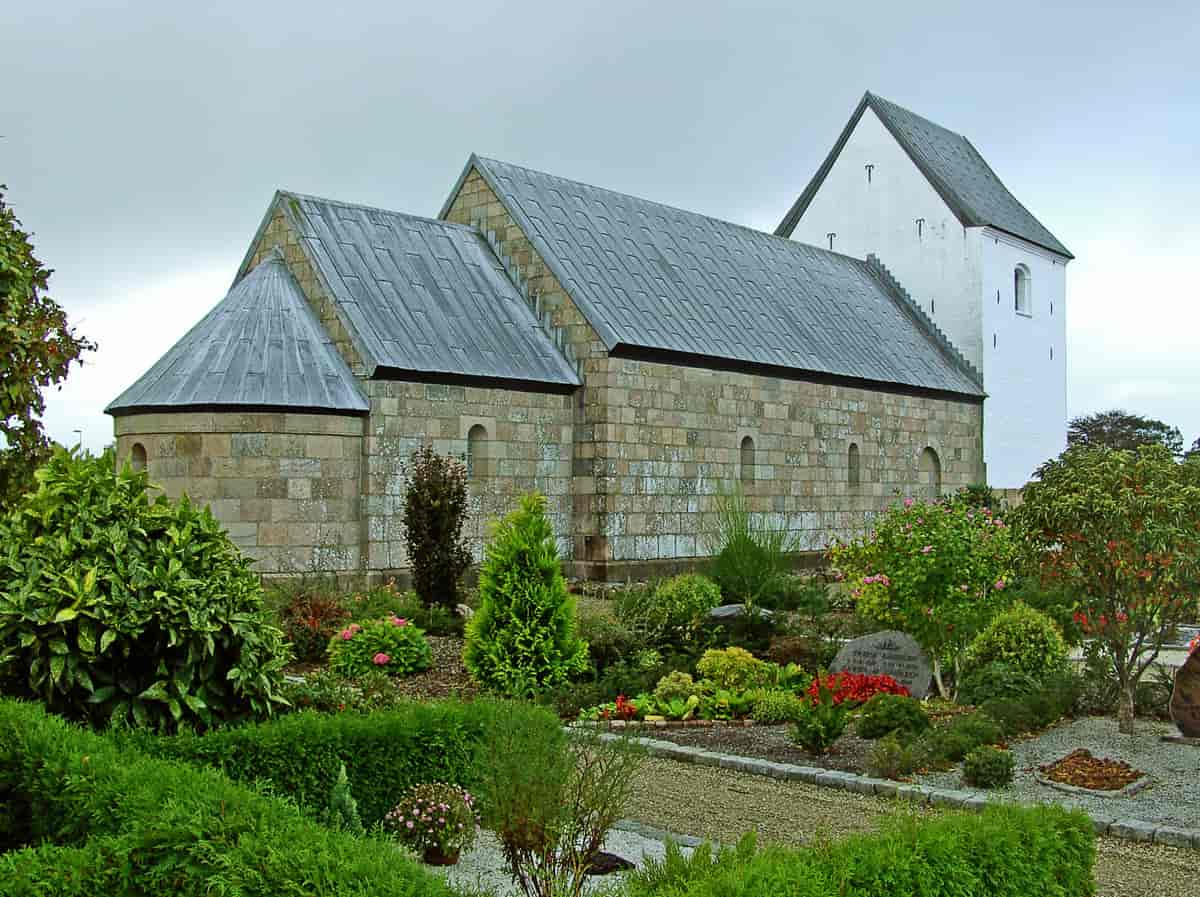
<point x="527" y="446"/>
<point x="285" y="486"/>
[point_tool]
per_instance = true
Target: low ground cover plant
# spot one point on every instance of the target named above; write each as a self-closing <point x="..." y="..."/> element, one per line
<point x="391" y="645"/>
<point x="118" y="608"/>
<point x="855" y="688"/>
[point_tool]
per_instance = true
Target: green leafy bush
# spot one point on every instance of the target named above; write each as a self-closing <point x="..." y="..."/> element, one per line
<point x="750" y="560"/>
<point x="1022" y="638"/>
<point x="820" y="723"/>
<point x="774" y="706"/>
<point x="989" y="767"/>
<point x="392" y="645"/>
<point x="522" y="639"/>
<point x="676" y="685"/>
<point x="435" y="509"/>
<point x="116" y="607"/>
<point x="1004" y="851"/>
<point x="995" y="680"/>
<point x="733" y="668"/>
<point x="886" y="714"/>
<point x="385" y="752"/>
<point x="673" y="614"/>
<point x="609" y="641"/>
<point x="103" y="818"/>
<point x="1013" y="715"/>
<point x="891" y="758"/>
<point x="952" y="742"/>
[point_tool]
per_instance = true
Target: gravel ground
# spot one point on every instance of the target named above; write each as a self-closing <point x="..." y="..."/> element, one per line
<point x="1173" y="798"/>
<point x="720" y="804"/>
<point x="481" y="870"/>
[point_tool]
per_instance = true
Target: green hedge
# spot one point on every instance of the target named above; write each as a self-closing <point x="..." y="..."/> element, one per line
<point x="1005" y="851"/>
<point x="103" y="818"/>
<point x="385" y="752"/>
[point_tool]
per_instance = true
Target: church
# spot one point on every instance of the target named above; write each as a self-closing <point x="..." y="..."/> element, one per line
<point x="627" y="359"/>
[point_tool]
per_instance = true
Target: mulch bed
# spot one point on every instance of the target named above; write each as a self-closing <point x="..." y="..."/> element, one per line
<point x="1083" y="770"/>
<point x="848" y="754"/>
<point x="446" y="676"/>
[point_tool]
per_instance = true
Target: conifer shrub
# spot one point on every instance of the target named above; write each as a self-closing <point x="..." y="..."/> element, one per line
<point x="343" y="808"/>
<point x="886" y="714"/>
<point x="988" y="767"/>
<point x="116" y="607"/>
<point x="435" y="509"/>
<point x="522" y="641"/>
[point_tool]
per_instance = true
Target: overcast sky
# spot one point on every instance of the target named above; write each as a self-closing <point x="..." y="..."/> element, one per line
<point x="141" y="143"/>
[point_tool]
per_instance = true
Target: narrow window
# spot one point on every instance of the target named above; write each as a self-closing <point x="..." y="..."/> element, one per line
<point x="931" y="473"/>
<point x="854" y="466"/>
<point x="747" y="465"/>
<point x="137" y="456"/>
<point x="1021" y="299"/>
<point x="477" y="452"/>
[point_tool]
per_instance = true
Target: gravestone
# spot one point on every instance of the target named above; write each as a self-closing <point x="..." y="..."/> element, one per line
<point x="887" y="653"/>
<point x="1185" y="697"/>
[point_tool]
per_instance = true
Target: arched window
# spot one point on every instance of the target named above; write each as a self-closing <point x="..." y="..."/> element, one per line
<point x="747" y="461"/>
<point x="137" y="456"/>
<point x="931" y="473"/>
<point x="477" y="452"/>
<point x="854" y="469"/>
<point x="1021" y="290"/>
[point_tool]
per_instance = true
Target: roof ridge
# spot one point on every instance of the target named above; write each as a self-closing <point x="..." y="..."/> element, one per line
<point x="363" y="207"/>
<point x="898" y="292"/>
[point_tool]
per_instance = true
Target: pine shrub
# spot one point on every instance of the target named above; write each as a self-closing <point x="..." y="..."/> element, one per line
<point x="343" y="808"/>
<point x="522" y="641"/>
<point x="435" y="509"/>
<point x="989" y="767"/>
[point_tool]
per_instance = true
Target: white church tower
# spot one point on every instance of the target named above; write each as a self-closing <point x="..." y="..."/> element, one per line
<point x="922" y="200"/>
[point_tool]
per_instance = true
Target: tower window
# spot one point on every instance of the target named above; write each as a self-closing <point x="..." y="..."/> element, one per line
<point x="854" y="466"/>
<point x="477" y="452"/>
<point x="747" y="460"/>
<point x="137" y="456"/>
<point x="931" y="473"/>
<point x="1021" y="290"/>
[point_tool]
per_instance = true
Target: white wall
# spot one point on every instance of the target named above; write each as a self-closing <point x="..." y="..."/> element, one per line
<point x="937" y="267"/>
<point x="1025" y="414"/>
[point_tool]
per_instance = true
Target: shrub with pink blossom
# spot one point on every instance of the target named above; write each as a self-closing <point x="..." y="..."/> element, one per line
<point x="435" y="816"/>
<point x="391" y="645"/>
<point x="936" y="570"/>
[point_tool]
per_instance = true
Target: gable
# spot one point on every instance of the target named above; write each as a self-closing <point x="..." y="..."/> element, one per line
<point x="420" y="298"/>
<point x="653" y="278"/>
<point x="951" y="165"/>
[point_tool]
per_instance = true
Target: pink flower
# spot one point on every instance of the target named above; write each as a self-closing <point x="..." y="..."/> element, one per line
<point x="908" y="502"/>
<point x="399" y="621"/>
<point x="927" y="549"/>
<point x="999" y="584"/>
<point x="347" y="635"/>
<point x="409" y="824"/>
<point x="380" y="659"/>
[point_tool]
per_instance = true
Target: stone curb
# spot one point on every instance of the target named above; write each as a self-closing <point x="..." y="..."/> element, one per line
<point x="635" y="725"/>
<point x="1127" y="829"/>
<point x="658" y="834"/>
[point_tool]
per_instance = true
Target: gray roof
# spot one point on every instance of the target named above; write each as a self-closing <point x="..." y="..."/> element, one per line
<point x="425" y="297"/>
<point x="953" y="167"/>
<point x="652" y="277"/>
<point x="260" y="347"/>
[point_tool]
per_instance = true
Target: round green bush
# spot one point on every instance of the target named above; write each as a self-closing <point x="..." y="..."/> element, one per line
<point x="774" y="706"/>
<point x="996" y="680"/>
<point x="886" y="714"/>
<point x="671" y="615"/>
<point x="890" y="758"/>
<point x="957" y="739"/>
<point x="522" y="640"/>
<point x="116" y="607"/>
<point x="676" y="685"/>
<point x="989" y="767"/>
<point x="733" y="668"/>
<point x="1024" y="639"/>
<point x="1014" y="715"/>
<point x="391" y="645"/>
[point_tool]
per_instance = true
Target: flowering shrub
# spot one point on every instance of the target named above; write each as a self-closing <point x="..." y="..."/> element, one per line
<point x="435" y="816"/>
<point x="936" y="570"/>
<point x="391" y="645"/>
<point x="1121" y="530"/>
<point x="854" y="688"/>
<point x="309" y="620"/>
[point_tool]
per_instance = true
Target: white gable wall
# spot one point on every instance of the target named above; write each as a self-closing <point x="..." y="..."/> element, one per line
<point x="1025" y="414"/>
<point x="939" y="267"/>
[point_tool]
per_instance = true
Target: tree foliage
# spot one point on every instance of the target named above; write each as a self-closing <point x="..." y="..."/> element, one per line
<point x="36" y="350"/>
<point x="1120" y="529"/>
<point x="1118" y="429"/>
<point x="435" y="509"/>
<point x="936" y="570"/>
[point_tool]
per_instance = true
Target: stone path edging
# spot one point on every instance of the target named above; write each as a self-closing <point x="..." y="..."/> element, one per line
<point x="1127" y="829"/>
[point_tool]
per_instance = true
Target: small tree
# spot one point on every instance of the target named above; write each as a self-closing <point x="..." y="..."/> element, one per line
<point x="36" y="350"/>
<point x="435" y="509"/>
<point x="522" y="639"/>
<point x="342" y="813"/>
<point x="934" y="570"/>
<point x="1120" y="529"/>
<point x="1119" y="429"/>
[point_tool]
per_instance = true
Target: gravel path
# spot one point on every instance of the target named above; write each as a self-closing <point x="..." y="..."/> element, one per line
<point x="1173" y="798"/>
<point x="720" y="804"/>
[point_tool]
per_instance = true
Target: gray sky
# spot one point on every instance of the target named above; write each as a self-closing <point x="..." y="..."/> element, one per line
<point x="142" y="143"/>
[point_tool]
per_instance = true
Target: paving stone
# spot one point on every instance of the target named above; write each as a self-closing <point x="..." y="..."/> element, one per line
<point x="1102" y="824"/>
<point x="945" y="797"/>
<point x="885" y="788"/>
<point x="1174" y="837"/>
<point x="1133" y="829"/>
<point x="915" y="793"/>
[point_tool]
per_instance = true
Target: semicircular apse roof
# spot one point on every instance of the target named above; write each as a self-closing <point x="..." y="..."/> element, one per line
<point x="261" y="347"/>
